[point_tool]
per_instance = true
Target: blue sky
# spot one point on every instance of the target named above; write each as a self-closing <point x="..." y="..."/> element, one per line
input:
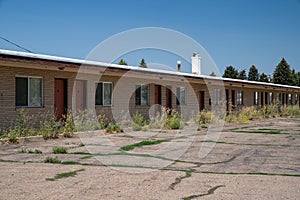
<point x="234" y="32"/>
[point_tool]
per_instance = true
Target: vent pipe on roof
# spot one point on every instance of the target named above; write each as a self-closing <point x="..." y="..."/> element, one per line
<point x="178" y="65"/>
<point x="196" y="63"/>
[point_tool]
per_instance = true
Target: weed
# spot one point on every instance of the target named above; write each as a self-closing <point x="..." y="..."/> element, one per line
<point x="81" y="144"/>
<point x="69" y="126"/>
<point x="51" y="160"/>
<point x="59" y="150"/>
<point x="65" y="175"/>
<point x="142" y="143"/>
<point x="113" y="128"/>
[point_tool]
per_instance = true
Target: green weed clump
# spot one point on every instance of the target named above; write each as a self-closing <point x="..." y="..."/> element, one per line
<point x="113" y="128"/>
<point x="52" y="160"/>
<point x="59" y="150"/>
<point x="137" y="122"/>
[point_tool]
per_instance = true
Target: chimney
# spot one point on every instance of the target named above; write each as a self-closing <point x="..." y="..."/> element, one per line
<point x="178" y="65"/>
<point x="196" y="63"/>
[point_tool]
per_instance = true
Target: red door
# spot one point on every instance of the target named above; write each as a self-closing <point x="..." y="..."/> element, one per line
<point x="59" y="98"/>
<point x="79" y="89"/>
<point x="157" y="99"/>
<point x="201" y="100"/>
<point x="168" y="98"/>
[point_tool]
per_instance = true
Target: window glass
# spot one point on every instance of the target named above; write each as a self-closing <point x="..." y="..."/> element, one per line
<point x="35" y="92"/>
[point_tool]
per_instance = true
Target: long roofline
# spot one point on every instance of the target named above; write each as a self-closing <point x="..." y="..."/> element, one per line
<point x="136" y="68"/>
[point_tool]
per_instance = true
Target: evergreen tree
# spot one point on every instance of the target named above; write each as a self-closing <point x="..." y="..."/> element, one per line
<point x="294" y="77"/>
<point x="212" y="74"/>
<point x="253" y="74"/>
<point x="263" y="78"/>
<point x="297" y="83"/>
<point x="230" y="72"/>
<point x="143" y="63"/>
<point x="282" y="73"/>
<point x="242" y="75"/>
<point x="122" y="62"/>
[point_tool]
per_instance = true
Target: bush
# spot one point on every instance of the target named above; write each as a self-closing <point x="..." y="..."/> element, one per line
<point x="174" y="121"/>
<point x="59" y="150"/>
<point x="49" y="128"/>
<point x="137" y="121"/>
<point x="51" y="160"/>
<point x="113" y="128"/>
<point x="69" y="126"/>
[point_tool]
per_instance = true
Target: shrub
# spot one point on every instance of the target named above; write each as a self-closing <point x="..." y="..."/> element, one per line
<point x="113" y="128"/>
<point x="137" y="121"/>
<point x="59" y="150"/>
<point x="174" y="121"/>
<point x="69" y="126"/>
<point x="86" y="120"/>
<point x="51" y="160"/>
<point x="49" y="128"/>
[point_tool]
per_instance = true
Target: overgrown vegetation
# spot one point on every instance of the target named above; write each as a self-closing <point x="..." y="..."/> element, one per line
<point x="65" y="175"/>
<point x="142" y="143"/>
<point x="59" y="150"/>
<point x="36" y="151"/>
<point x="251" y="113"/>
<point x="52" y="160"/>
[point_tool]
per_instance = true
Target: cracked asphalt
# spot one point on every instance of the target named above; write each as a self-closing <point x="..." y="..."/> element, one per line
<point x="255" y="160"/>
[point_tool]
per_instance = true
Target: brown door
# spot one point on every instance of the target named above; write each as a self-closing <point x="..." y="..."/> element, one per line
<point x="80" y="94"/>
<point x="157" y="99"/>
<point x="201" y="100"/>
<point x="168" y="98"/>
<point x="233" y="98"/>
<point x="60" y="98"/>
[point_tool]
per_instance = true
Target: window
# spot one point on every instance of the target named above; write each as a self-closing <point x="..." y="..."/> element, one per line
<point x="289" y="99"/>
<point x="217" y="96"/>
<point x="103" y="93"/>
<point x="296" y="99"/>
<point x="180" y="94"/>
<point x="29" y="92"/>
<point x="255" y="98"/>
<point x="141" y="95"/>
<point x="240" y="97"/>
<point x="270" y="97"/>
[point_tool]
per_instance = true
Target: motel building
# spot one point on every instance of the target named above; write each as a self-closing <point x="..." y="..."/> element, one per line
<point x="41" y="84"/>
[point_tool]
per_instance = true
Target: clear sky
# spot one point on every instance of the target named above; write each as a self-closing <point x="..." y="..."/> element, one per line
<point x="234" y="32"/>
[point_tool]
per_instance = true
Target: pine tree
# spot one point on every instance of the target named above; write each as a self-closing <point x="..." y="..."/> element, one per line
<point x="212" y="74"/>
<point x="230" y="72"/>
<point x="282" y="73"/>
<point x="253" y="74"/>
<point x="122" y="62"/>
<point x="242" y="75"/>
<point x="263" y="78"/>
<point x="143" y="63"/>
<point x="298" y="79"/>
<point x="294" y="77"/>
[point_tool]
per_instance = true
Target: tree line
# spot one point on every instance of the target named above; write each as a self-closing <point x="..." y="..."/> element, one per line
<point x="282" y="74"/>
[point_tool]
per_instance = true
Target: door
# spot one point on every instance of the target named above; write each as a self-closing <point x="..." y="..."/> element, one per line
<point x="80" y="94"/>
<point x="168" y="98"/>
<point x="233" y="97"/>
<point x="201" y="100"/>
<point x="157" y="99"/>
<point x="262" y="98"/>
<point x="60" y="98"/>
<point x="227" y="100"/>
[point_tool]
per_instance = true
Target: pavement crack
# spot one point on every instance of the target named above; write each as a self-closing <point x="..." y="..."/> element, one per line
<point x="209" y="192"/>
<point x="179" y="179"/>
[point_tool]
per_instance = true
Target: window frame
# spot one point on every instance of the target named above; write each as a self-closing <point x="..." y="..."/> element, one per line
<point x="256" y="98"/>
<point x="240" y="97"/>
<point x="28" y="91"/>
<point x="102" y="96"/>
<point x="140" y="87"/>
<point x="218" y="96"/>
<point x="178" y="96"/>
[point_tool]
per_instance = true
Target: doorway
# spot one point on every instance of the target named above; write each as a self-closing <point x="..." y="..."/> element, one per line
<point x="80" y="91"/>
<point x="157" y="99"/>
<point x="60" y="98"/>
<point x="201" y="100"/>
